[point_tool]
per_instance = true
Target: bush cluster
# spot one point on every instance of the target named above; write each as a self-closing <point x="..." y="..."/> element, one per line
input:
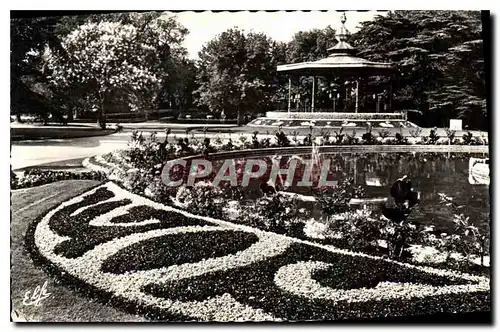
<point x="36" y="177"/>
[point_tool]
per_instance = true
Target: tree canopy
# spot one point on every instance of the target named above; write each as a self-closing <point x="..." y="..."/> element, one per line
<point x="237" y="73"/>
<point x="440" y="61"/>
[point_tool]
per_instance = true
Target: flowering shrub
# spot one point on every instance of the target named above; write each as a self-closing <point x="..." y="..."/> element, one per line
<point x="415" y="132"/>
<point x="277" y="213"/>
<point x="468" y="138"/>
<point x="359" y="229"/>
<point x="336" y="200"/>
<point x="282" y="139"/>
<point x="203" y="198"/>
<point x="115" y="65"/>
<point x="339" y="136"/>
<point x="466" y="239"/>
<point x="451" y="135"/>
<point x="433" y="137"/>
<point x="36" y="177"/>
<point x="400" y="139"/>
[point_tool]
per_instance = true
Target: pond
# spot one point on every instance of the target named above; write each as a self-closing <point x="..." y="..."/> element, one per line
<point x="430" y="173"/>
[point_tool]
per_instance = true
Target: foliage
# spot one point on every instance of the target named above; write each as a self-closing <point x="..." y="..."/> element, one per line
<point x="325" y="136"/>
<point x="415" y="132"/>
<point x="203" y="199"/>
<point x="307" y="46"/>
<point x="277" y="213"/>
<point x="336" y="200"/>
<point x="30" y="93"/>
<point x="36" y="177"/>
<point x="432" y="138"/>
<point x="282" y="139"/>
<point x="308" y="140"/>
<point x="466" y="239"/>
<point x="368" y="138"/>
<point x="384" y="133"/>
<point x="237" y="74"/>
<point x="398" y="232"/>
<point x="440" y="62"/>
<point x="359" y="229"/>
<point x="143" y="152"/>
<point x="351" y="139"/>
<point x="115" y="65"/>
<point x="468" y="138"/>
<point x="400" y="139"/>
<point x="451" y="135"/>
<point x="339" y="136"/>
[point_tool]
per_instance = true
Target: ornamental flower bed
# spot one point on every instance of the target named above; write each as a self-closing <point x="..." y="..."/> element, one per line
<point x="167" y="264"/>
<point x="138" y="170"/>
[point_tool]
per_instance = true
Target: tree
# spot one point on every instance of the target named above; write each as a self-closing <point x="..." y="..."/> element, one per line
<point x="439" y="60"/>
<point x="178" y="87"/>
<point x="237" y="73"/>
<point x="115" y="65"/>
<point x="310" y="45"/>
<point x="29" y="89"/>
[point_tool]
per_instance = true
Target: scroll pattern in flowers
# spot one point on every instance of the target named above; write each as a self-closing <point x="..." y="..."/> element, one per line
<point x="168" y="264"/>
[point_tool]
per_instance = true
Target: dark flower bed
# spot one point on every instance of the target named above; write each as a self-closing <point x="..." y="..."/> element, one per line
<point x="178" y="249"/>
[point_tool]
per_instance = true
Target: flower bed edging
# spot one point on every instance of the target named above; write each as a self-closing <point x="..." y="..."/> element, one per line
<point x="125" y="289"/>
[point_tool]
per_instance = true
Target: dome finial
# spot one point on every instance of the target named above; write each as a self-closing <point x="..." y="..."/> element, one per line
<point x="342" y="33"/>
<point x="343" y="18"/>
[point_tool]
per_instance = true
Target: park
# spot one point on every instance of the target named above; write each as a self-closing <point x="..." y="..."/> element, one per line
<point x="341" y="175"/>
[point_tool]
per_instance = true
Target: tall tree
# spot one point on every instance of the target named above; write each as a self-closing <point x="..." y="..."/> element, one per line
<point x="439" y="61"/>
<point x="28" y="38"/>
<point x="115" y="65"/>
<point x="237" y="73"/>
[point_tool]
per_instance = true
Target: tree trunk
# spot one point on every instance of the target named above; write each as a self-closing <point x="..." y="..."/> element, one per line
<point x="238" y="117"/>
<point x="102" y="115"/>
<point x="102" y="118"/>
<point x="70" y="115"/>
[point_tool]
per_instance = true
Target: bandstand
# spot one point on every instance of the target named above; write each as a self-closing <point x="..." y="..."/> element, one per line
<point x="347" y="78"/>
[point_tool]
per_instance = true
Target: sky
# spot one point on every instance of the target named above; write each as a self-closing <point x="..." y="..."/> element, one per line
<point x="280" y="26"/>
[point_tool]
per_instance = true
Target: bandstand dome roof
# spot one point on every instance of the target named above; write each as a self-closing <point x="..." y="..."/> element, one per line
<point x="342" y="61"/>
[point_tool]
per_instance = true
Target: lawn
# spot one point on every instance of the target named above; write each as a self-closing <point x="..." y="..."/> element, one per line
<point x="21" y="133"/>
<point x="63" y="304"/>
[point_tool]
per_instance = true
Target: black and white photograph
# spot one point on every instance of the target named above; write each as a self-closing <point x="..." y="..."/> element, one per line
<point x="263" y="166"/>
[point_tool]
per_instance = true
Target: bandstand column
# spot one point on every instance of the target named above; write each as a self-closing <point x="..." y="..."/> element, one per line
<point x="289" y="93"/>
<point x="312" y="99"/>
<point x="390" y="96"/>
<point x="357" y="95"/>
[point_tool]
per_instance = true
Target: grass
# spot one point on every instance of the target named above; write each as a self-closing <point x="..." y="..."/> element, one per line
<point x="39" y="133"/>
<point x="63" y="304"/>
